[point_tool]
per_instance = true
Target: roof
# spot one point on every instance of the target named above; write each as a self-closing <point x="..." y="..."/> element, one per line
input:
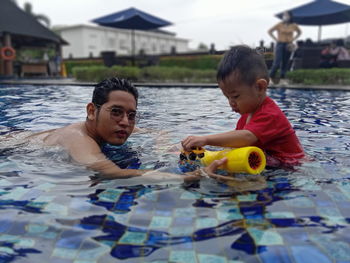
<point x="64" y="28"/>
<point x="23" y="27"/>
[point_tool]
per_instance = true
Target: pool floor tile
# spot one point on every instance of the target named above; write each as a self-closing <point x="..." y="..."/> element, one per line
<point x="206" y="258"/>
<point x="133" y="238"/>
<point x="309" y="254"/>
<point x="182" y="256"/>
<point x="267" y="237"/>
<point x="64" y="253"/>
<point x="160" y="222"/>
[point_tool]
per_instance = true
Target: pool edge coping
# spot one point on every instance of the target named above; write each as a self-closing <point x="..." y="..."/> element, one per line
<point x="72" y="82"/>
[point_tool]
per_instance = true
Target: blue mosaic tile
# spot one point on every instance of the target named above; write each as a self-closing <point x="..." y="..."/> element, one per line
<point x="257" y="223"/>
<point x="247" y="198"/>
<point x="45" y="187"/>
<point x="275" y="254"/>
<point x="80" y="204"/>
<point x="338" y="250"/>
<point x="183" y="221"/>
<point x="206" y="222"/>
<point x="5" y="225"/>
<point x="309" y="254"/>
<point x="182" y="256"/>
<point x="205" y="258"/>
<point x="49" y="235"/>
<point x="4" y="182"/>
<point x="188" y="212"/>
<point x="133" y="238"/>
<point x="232" y="214"/>
<point x="181" y="231"/>
<point x="36" y="228"/>
<point x="190" y="195"/>
<point x="57" y="209"/>
<point x="160" y="222"/>
<point x="16" y="193"/>
<point x="84" y="261"/>
<point x="152" y="196"/>
<point x="337" y="196"/>
<point x="64" y="253"/>
<point x="6" y="250"/>
<point x="302" y="202"/>
<point x="286" y="214"/>
<point x="70" y="242"/>
<point x="121" y="218"/>
<point x="92" y="253"/>
<point x="26" y="242"/>
<point x="266" y="237"/>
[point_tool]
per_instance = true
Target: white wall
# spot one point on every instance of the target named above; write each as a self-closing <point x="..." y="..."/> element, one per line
<point x="87" y="40"/>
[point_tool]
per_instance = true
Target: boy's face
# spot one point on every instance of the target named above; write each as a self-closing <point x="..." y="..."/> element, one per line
<point x="242" y="97"/>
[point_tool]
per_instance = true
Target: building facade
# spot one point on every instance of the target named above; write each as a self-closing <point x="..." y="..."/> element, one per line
<point x="89" y="41"/>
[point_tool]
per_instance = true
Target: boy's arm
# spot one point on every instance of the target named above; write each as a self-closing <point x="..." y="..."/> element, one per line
<point x="234" y="139"/>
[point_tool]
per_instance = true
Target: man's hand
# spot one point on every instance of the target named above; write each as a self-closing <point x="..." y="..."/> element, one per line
<point x="193" y="141"/>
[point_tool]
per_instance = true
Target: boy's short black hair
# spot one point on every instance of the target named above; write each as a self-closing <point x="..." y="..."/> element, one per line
<point x="248" y="63"/>
<point x="102" y="90"/>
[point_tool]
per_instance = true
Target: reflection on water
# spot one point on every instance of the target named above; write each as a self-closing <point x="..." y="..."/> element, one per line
<point x="51" y="210"/>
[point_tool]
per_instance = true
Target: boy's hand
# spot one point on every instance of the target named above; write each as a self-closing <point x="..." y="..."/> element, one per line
<point x="193" y="141"/>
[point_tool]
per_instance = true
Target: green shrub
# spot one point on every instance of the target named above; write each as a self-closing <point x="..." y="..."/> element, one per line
<point x="131" y="73"/>
<point x="176" y="74"/>
<point x="334" y="76"/>
<point x="147" y="74"/>
<point x="93" y="73"/>
<point x="70" y="65"/>
<point x="99" y="73"/>
<point x="193" y="62"/>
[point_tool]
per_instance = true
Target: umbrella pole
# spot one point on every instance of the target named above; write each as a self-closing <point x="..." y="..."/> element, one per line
<point x="319" y="33"/>
<point x="133" y="47"/>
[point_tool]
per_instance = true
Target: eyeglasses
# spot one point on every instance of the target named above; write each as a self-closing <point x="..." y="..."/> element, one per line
<point x="117" y="114"/>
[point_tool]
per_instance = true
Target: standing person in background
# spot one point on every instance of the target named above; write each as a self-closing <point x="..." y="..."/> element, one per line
<point x="285" y="37"/>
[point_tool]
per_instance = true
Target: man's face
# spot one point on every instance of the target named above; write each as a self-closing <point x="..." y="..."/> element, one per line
<point x="242" y="97"/>
<point x="115" y="120"/>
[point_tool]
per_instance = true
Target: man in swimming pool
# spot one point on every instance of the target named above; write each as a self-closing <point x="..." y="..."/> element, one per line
<point x="111" y="118"/>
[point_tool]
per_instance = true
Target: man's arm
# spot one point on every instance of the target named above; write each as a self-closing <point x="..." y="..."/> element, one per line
<point x="272" y="30"/>
<point x="84" y="150"/>
<point x="298" y="31"/>
<point x="234" y="139"/>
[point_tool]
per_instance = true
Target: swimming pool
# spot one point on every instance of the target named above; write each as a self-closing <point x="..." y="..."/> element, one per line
<point x="51" y="212"/>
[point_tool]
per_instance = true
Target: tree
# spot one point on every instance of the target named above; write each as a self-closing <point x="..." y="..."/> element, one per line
<point x="28" y="8"/>
<point x="203" y="47"/>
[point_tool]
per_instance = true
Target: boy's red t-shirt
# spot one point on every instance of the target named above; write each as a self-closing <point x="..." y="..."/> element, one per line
<point x="274" y="132"/>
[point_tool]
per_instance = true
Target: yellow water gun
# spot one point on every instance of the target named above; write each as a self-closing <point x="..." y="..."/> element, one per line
<point x="249" y="159"/>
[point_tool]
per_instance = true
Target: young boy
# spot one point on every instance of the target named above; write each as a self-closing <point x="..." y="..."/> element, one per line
<point x="243" y="78"/>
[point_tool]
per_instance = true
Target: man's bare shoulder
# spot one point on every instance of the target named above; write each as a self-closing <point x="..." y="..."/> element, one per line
<point x="66" y="135"/>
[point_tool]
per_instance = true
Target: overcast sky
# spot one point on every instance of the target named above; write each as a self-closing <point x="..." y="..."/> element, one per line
<point x="223" y="22"/>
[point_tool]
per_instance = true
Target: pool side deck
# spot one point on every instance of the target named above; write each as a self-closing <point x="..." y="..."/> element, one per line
<point x="73" y="82"/>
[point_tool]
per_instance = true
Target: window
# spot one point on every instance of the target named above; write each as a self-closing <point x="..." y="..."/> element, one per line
<point x="111" y="42"/>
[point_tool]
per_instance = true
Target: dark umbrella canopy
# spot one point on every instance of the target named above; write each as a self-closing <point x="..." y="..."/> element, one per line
<point x="320" y="12"/>
<point x="132" y="18"/>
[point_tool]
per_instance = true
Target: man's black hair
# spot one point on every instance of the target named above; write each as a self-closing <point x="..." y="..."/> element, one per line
<point x="102" y="90"/>
<point x="247" y="63"/>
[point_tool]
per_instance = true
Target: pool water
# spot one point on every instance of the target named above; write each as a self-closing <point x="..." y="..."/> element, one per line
<point x="51" y="210"/>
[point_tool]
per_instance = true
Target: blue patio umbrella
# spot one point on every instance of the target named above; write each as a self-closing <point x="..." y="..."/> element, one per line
<point x="319" y="13"/>
<point x="132" y="19"/>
